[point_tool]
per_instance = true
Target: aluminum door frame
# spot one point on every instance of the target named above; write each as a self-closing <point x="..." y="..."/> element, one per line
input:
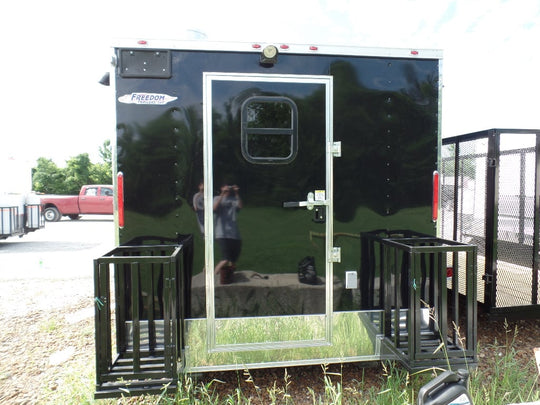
<point x="208" y="78"/>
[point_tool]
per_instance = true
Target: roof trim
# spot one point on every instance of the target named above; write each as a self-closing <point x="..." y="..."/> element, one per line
<point x="284" y="48"/>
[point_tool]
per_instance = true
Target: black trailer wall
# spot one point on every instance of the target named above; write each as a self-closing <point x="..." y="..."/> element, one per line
<point x="385" y="114"/>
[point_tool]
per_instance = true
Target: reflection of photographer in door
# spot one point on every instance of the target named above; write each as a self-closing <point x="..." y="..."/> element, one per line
<point x="226" y="206"/>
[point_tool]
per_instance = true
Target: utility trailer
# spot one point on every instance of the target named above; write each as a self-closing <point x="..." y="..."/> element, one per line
<point x="491" y="197"/>
<point x="276" y="205"/>
<point x="20" y="209"/>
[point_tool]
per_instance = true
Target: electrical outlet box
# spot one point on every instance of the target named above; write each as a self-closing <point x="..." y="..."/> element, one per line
<point x="351" y="279"/>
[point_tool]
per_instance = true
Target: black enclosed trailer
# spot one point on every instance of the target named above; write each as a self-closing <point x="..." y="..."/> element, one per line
<point x="277" y="205"/>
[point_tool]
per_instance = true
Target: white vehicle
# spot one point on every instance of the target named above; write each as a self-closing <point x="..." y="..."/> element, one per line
<point x="20" y="209"/>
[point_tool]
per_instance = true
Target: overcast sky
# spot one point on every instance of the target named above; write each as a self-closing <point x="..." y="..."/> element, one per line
<point x="55" y="51"/>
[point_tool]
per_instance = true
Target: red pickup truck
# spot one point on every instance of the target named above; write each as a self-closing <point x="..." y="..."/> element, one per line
<point x="92" y="199"/>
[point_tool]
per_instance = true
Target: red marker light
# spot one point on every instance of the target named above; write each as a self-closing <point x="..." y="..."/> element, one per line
<point x="435" y="207"/>
<point x="256" y="46"/>
<point x="120" y="198"/>
<point x="414" y="52"/>
<point x="284" y="46"/>
<point x="313" y="48"/>
<point x="142" y="42"/>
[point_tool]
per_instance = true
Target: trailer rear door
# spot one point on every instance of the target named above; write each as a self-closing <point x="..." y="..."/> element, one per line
<point x="270" y="138"/>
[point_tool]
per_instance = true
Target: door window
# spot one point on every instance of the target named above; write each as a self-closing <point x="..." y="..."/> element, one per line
<point x="269" y="130"/>
<point x="106" y="191"/>
<point x="91" y="191"/>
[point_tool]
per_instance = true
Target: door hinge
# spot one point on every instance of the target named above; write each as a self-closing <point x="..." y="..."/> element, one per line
<point x="336" y="255"/>
<point x="336" y="149"/>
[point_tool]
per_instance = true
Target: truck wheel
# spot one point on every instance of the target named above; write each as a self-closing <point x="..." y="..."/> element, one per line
<point x="74" y="217"/>
<point x="52" y="214"/>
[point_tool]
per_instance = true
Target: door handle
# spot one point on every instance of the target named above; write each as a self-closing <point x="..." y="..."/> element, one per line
<point x="309" y="203"/>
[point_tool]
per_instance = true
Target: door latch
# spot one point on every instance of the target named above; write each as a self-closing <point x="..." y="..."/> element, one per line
<point x="336" y="149"/>
<point x="335" y="256"/>
<point x="312" y="201"/>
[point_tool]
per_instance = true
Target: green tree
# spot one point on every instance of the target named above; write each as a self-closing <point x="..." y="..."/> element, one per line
<point x="50" y="179"/>
<point x="47" y="177"/>
<point x="105" y="153"/>
<point x="77" y="173"/>
<point x="101" y="173"/>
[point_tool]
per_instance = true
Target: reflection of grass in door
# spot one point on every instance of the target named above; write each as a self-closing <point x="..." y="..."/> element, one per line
<point x="269" y="329"/>
<point x="350" y="339"/>
<point x="274" y="240"/>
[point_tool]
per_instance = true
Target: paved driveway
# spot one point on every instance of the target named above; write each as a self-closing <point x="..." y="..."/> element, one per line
<point x="52" y="267"/>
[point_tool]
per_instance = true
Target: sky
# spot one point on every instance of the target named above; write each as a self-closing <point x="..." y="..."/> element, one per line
<point x="54" y="52"/>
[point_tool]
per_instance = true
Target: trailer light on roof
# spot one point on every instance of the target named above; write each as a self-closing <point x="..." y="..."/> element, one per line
<point x="269" y="56"/>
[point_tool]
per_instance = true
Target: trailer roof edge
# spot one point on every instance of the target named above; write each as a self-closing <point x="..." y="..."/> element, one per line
<point x="307" y="49"/>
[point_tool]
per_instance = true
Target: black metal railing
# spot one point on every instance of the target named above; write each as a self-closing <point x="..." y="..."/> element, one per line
<point x="491" y="195"/>
<point x="427" y="289"/>
<point x="145" y="318"/>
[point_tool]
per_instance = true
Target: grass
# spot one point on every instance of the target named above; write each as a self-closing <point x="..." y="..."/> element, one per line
<point x="50" y="325"/>
<point x="497" y="384"/>
<point x="501" y="379"/>
<point x="397" y="386"/>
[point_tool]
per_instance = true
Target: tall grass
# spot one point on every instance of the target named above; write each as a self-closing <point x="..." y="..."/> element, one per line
<point x="507" y="380"/>
<point x="502" y="380"/>
<point x="503" y="377"/>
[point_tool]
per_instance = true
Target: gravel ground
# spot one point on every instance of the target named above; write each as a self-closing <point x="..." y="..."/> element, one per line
<point x="47" y="334"/>
<point x="46" y="307"/>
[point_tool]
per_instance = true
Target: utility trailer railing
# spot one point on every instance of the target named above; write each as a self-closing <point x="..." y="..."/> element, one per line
<point x="145" y="319"/>
<point x="9" y="221"/>
<point x="491" y="197"/>
<point x="427" y="289"/>
<point x="13" y="222"/>
<point x="34" y="218"/>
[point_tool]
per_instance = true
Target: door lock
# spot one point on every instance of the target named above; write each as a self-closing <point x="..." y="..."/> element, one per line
<point x="320" y="215"/>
